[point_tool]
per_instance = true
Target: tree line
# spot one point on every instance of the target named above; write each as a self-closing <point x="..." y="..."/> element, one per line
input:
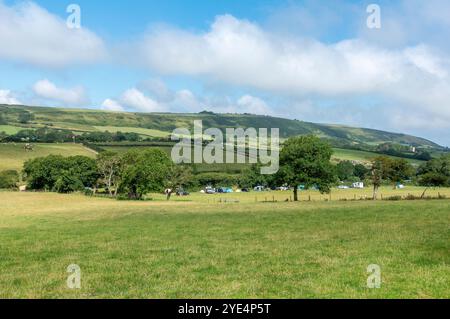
<point x="304" y="160"/>
<point x="51" y="135"/>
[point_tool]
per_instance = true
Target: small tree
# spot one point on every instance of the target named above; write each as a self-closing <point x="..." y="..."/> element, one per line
<point x="361" y="171"/>
<point x="306" y="160"/>
<point x="434" y="173"/>
<point x="399" y="171"/>
<point x="180" y="176"/>
<point x="25" y="117"/>
<point x="379" y="172"/>
<point x="385" y="169"/>
<point x="252" y="177"/>
<point x="345" y="170"/>
<point x="109" y="165"/>
<point x="9" y="179"/>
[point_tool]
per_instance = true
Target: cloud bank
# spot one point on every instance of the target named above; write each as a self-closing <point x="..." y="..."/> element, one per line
<point x="242" y="54"/>
<point x="31" y="35"/>
<point x="76" y="96"/>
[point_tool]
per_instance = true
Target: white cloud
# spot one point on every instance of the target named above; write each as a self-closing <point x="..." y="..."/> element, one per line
<point x="253" y="105"/>
<point x="135" y="99"/>
<point x="156" y="87"/>
<point x="30" y="34"/>
<point x="187" y="101"/>
<point x="243" y="54"/>
<point x="6" y="97"/>
<point x="112" y="105"/>
<point x="69" y="97"/>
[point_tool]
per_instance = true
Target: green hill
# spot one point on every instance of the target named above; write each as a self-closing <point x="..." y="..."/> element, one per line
<point x="162" y="124"/>
<point x="12" y="156"/>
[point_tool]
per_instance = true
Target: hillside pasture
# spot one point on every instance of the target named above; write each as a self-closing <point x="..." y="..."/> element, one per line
<point x="11" y="129"/>
<point x="363" y="156"/>
<point x="13" y="155"/>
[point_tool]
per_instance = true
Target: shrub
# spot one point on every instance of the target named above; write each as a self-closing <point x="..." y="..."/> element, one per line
<point x="9" y="179"/>
<point x="394" y="198"/>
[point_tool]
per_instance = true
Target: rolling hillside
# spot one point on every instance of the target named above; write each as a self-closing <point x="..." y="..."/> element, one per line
<point x="162" y="124"/>
<point x="12" y="156"/>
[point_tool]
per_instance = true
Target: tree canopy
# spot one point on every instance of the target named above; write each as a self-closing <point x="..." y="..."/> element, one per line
<point x="143" y="172"/>
<point x="306" y="160"/>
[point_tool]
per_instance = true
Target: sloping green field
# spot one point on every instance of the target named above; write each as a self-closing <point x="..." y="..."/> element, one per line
<point x="87" y="120"/>
<point x="10" y="129"/>
<point x="363" y="156"/>
<point x="12" y="155"/>
<point x="200" y="250"/>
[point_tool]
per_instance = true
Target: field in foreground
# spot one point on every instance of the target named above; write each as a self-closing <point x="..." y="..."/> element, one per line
<point x="246" y="250"/>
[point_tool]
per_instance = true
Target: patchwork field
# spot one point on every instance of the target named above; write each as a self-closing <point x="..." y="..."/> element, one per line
<point x="197" y="249"/>
<point x="12" y="155"/>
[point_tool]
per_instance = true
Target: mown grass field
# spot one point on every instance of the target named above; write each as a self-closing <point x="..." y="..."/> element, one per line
<point x="197" y="249"/>
<point x="13" y="155"/>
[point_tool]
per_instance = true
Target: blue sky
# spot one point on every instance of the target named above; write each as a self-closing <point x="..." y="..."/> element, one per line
<point x="311" y="60"/>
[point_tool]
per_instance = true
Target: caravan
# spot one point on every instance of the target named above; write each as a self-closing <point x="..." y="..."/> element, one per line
<point x="359" y="185"/>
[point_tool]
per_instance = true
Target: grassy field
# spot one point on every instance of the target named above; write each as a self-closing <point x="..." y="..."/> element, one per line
<point x="309" y="195"/>
<point x="362" y="156"/>
<point x="12" y="156"/>
<point x="137" y="130"/>
<point x="10" y="129"/>
<point x="197" y="249"/>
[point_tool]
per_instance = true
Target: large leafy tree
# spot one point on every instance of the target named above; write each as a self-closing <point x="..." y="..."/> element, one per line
<point x="43" y="172"/>
<point x="306" y="160"/>
<point x="61" y="174"/>
<point x="143" y="172"/>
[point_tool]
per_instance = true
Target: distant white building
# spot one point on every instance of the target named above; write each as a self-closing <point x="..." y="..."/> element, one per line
<point x="359" y="185"/>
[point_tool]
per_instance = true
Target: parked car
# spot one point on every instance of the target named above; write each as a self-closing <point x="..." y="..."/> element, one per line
<point x="245" y="190"/>
<point x="182" y="192"/>
<point x="259" y="188"/>
<point x="210" y="190"/>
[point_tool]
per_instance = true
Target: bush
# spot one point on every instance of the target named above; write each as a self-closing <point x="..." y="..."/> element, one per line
<point x="68" y="183"/>
<point x="9" y="179"/>
<point x="394" y="198"/>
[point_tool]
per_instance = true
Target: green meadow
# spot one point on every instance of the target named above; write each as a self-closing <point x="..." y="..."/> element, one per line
<point x="13" y="155"/>
<point x="199" y="249"/>
<point x="363" y="156"/>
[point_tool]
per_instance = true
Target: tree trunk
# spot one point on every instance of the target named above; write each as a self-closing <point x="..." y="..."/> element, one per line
<point x="110" y="184"/>
<point x="375" y="191"/>
<point x="295" y="194"/>
<point x="423" y="194"/>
